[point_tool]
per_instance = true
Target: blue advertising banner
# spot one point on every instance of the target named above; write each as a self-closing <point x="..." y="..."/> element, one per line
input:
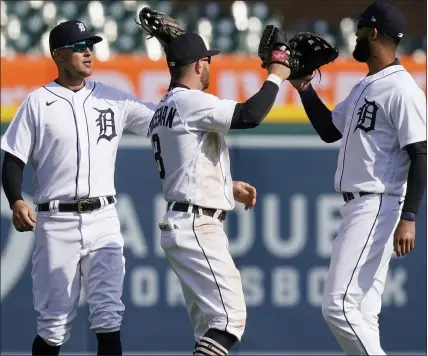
<point x="282" y="248"/>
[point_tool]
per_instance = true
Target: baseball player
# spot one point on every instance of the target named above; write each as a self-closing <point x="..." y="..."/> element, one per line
<point x="381" y="172"/>
<point x="187" y="133"/>
<point x="69" y="130"/>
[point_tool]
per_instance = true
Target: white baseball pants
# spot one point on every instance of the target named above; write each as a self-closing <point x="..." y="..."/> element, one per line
<point x="72" y="249"/>
<point x="197" y="250"/>
<point x="358" y="269"/>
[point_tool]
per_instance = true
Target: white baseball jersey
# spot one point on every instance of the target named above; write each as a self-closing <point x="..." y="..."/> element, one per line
<point x="71" y="138"/>
<point x="187" y="132"/>
<point x="383" y="113"/>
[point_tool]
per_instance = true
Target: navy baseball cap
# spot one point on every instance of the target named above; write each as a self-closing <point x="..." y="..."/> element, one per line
<point x="70" y="32"/>
<point x="385" y="17"/>
<point x="186" y="49"/>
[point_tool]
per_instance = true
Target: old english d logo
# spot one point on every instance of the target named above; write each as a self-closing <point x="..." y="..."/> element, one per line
<point x="367" y="116"/>
<point x="106" y="124"/>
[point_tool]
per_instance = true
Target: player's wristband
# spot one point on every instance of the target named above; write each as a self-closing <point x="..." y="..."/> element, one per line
<point x="407" y="215"/>
<point x="274" y="79"/>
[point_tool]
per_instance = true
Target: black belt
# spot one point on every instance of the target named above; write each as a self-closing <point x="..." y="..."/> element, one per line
<point x="347" y="197"/>
<point x="81" y="206"/>
<point x="184" y="207"/>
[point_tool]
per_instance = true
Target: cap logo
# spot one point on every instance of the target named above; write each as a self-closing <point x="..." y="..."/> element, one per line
<point x="81" y="27"/>
<point x="373" y="19"/>
<point x="171" y="64"/>
<point x="400" y="35"/>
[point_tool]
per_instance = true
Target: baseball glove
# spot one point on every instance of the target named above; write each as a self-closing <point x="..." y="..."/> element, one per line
<point x="159" y="25"/>
<point x="270" y="45"/>
<point x="309" y="52"/>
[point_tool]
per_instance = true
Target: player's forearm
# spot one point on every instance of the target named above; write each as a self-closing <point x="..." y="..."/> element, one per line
<point x="251" y="113"/>
<point x="319" y="115"/>
<point x="416" y="179"/>
<point x="12" y="173"/>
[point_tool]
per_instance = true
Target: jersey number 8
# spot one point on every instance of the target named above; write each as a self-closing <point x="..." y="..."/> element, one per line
<point x="158" y="157"/>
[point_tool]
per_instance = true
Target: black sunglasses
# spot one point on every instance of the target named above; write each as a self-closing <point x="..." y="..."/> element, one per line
<point x="80" y="47"/>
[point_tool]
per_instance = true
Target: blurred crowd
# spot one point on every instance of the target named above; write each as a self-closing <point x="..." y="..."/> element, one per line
<point x="237" y="28"/>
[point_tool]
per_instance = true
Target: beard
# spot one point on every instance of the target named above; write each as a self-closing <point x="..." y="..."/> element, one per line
<point x="362" y="50"/>
<point x="205" y="79"/>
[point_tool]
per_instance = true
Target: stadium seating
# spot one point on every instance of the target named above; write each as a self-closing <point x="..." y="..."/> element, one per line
<point x="25" y="25"/>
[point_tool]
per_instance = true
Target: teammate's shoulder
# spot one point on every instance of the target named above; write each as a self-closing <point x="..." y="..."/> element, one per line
<point x="37" y="95"/>
<point x="398" y="73"/>
<point x="109" y="92"/>
<point x="194" y="97"/>
<point x="404" y="82"/>
<point x="203" y="94"/>
<point x="402" y="72"/>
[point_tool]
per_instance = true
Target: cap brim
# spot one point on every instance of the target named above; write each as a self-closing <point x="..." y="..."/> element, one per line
<point x="362" y="20"/>
<point x="212" y="52"/>
<point x="357" y="17"/>
<point x="94" y="39"/>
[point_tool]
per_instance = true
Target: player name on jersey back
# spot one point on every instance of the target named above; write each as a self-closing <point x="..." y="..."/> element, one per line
<point x="162" y="117"/>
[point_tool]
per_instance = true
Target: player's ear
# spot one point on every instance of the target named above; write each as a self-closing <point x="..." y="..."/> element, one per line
<point x="198" y="67"/>
<point x="374" y="34"/>
<point x="57" y="56"/>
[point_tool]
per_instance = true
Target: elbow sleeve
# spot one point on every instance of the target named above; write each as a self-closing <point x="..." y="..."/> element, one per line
<point x="251" y="113"/>
<point x="12" y="174"/>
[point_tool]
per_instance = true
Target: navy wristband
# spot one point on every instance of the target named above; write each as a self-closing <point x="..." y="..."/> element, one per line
<point x="407" y="215"/>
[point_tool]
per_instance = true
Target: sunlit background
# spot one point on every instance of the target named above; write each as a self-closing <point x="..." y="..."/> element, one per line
<point x="230" y="26"/>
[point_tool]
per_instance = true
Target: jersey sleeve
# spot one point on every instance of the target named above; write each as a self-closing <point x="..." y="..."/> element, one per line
<point x="138" y="115"/>
<point x="409" y="116"/>
<point x="206" y="112"/>
<point x="20" y="135"/>
<point x="338" y="115"/>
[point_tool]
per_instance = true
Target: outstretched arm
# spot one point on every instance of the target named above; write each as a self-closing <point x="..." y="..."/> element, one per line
<point x="274" y="53"/>
<point x="251" y="113"/>
<point x="319" y="115"/>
